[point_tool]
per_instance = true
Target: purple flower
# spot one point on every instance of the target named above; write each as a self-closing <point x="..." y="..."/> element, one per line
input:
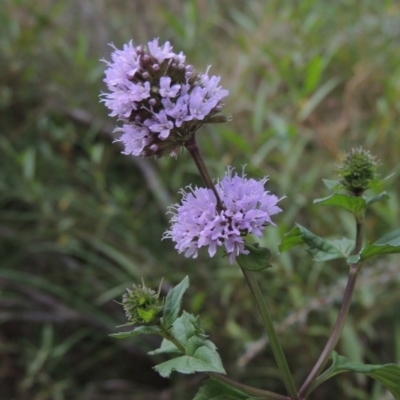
<point x="152" y="90"/>
<point x="180" y="111"/>
<point x="166" y="90"/>
<point x="123" y="67"/>
<point x="161" y="125"/>
<point x="199" y="106"/>
<point x="211" y="85"/>
<point x="198" y="222"/>
<point x="134" y="138"/>
<point x="161" y="53"/>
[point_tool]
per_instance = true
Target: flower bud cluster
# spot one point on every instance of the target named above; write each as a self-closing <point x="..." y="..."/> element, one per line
<point x="159" y="98"/>
<point x="141" y="304"/>
<point x="357" y="170"/>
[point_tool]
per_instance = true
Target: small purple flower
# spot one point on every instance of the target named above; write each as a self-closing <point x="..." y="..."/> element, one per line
<point x="134" y="138"/>
<point x="180" y="111"/>
<point x="161" y="125"/>
<point x="199" y="106"/>
<point x="153" y="90"/>
<point x="166" y="90"/>
<point x="212" y="89"/>
<point x="123" y="67"/>
<point x="161" y="53"/>
<point x="198" y="222"/>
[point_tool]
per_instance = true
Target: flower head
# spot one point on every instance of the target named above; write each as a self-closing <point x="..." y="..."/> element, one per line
<point x="199" y="222"/>
<point x="141" y="304"/>
<point x="159" y="98"/>
<point x="358" y="170"/>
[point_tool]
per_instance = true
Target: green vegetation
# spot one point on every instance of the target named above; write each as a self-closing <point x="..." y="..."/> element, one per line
<point x="80" y="223"/>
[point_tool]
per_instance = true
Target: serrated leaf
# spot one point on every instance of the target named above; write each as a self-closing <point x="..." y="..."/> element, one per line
<point x="215" y="390"/>
<point x="320" y="249"/>
<point x="390" y="239"/>
<point x="387" y="374"/>
<point x="291" y="239"/>
<point x="387" y="244"/>
<point x="257" y="259"/>
<point x="173" y="303"/>
<point x="379" y="197"/>
<point x="353" y="204"/>
<point x="345" y="246"/>
<point x="323" y="250"/>
<point x="140" y="330"/>
<point x="184" y="327"/>
<point x="165" y="347"/>
<point x="187" y="365"/>
<point x="200" y="353"/>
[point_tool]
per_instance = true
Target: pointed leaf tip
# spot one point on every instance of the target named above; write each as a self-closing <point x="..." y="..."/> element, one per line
<point x="320" y="249"/>
<point x="173" y="303"/>
<point x="140" y="330"/>
<point x="350" y="203"/>
<point x="387" y="244"/>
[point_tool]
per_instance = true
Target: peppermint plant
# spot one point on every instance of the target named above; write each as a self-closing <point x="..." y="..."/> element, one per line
<point x="161" y="103"/>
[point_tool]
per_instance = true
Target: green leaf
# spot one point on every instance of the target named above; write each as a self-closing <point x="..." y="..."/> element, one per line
<point x="330" y="184"/>
<point x="173" y="303"/>
<point x="140" y="330"/>
<point x="184" y="327"/>
<point x="378" y="183"/>
<point x="391" y="239"/>
<point x="379" y="197"/>
<point x="291" y="239"/>
<point x="166" y="347"/>
<point x="313" y="74"/>
<point x="216" y="390"/>
<point x="387" y="374"/>
<point x="324" y="250"/>
<point x="345" y="246"/>
<point x="320" y="249"/>
<point x="353" y="259"/>
<point x="200" y="362"/>
<point x="256" y="260"/>
<point x="387" y="244"/>
<point x="200" y="353"/>
<point x="353" y="204"/>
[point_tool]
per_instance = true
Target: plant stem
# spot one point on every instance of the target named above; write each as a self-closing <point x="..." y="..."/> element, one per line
<point x="193" y="149"/>
<point x="335" y="335"/>
<point x="273" y="337"/>
<point x="341" y="319"/>
<point x="265" y="394"/>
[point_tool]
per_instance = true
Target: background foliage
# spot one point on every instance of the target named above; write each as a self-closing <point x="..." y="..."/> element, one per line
<point x="79" y="222"/>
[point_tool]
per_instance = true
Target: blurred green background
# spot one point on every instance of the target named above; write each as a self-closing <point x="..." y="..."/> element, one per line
<point x="79" y="222"/>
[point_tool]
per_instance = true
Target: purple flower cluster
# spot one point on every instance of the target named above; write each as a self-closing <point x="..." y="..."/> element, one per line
<point x="159" y="98"/>
<point x="198" y="222"/>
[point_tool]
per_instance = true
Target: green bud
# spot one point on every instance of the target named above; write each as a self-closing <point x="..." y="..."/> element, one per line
<point x="357" y="170"/>
<point x="142" y="304"/>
